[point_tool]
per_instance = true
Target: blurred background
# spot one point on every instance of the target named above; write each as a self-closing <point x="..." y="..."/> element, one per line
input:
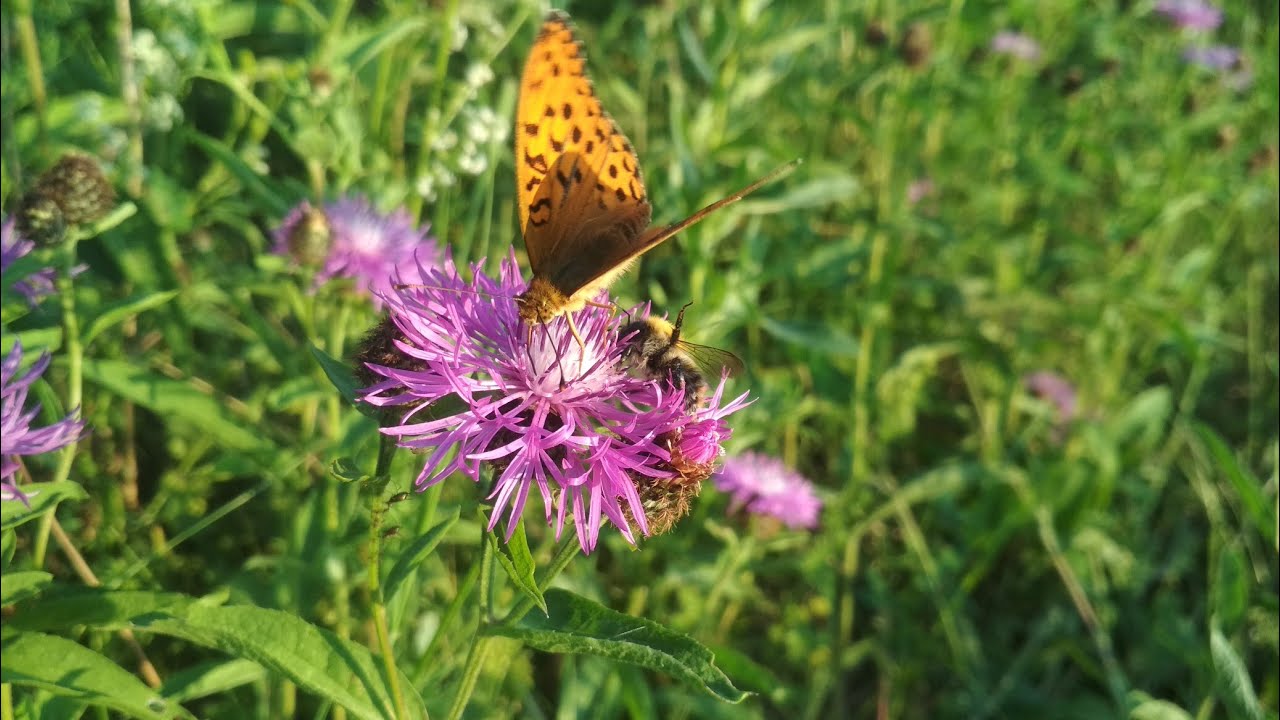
<point x="1015" y="317"/>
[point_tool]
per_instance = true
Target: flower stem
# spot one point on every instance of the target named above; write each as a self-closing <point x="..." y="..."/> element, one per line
<point x="385" y="450"/>
<point x="29" y="46"/>
<point x="479" y="642"/>
<point x="65" y="285"/>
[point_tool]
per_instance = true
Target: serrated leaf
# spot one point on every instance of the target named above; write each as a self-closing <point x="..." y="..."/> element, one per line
<point x="63" y="667"/>
<point x="1235" y="687"/>
<point x="119" y="312"/>
<point x="517" y="560"/>
<point x="63" y="606"/>
<point x="337" y="670"/>
<point x="211" y="678"/>
<point x="19" y="586"/>
<point x="175" y="399"/>
<point x="574" y="624"/>
<point x="42" y="497"/>
<point x="416" y="553"/>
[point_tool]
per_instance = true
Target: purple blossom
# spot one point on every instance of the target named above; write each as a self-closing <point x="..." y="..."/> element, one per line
<point x="1015" y="44"/>
<point x="38" y="284"/>
<point x="1056" y="390"/>
<point x="919" y="189"/>
<point x="17" y="437"/>
<point x="1213" y="57"/>
<point x="539" y="409"/>
<point x="764" y="486"/>
<point x="360" y="243"/>
<point x="1190" y="14"/>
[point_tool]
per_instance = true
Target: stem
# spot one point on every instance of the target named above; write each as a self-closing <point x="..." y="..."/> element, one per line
<point x="375" y="577"/>
<point x="479" y="642"/>
<point x="129" y="95"/>
<point x="82" y="569"/>
<point x="65" y="285"/>
<point x="30" y="48"/>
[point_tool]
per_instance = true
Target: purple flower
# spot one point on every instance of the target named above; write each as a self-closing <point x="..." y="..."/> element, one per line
<point x="539" y="409"/>
<point x="919" y="190"/>
<point x="1056" y="390"/>
<point x="17" y="437"/>
<point x="764" y="486"/>
<point x="1190" y="14"/>
<point x="1214" y="57"/>
<point x="1015" y="44"/>
<point x="355" y="241"/>
<point x="38" y="284"/>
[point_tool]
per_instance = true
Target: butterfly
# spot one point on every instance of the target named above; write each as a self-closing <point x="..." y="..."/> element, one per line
<point x="584" y="212"/>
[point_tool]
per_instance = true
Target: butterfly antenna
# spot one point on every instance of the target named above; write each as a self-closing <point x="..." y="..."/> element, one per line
<point x="675" y="228"/>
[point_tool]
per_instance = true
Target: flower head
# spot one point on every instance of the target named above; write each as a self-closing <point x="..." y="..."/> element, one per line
<point x="353" y="240"/>
<point x="1016" y="45"/>
<point x="535" y="406"/>
<point x="17" y="437"/>
<point x="33" y="287"/>
<point x="1190" y="14"/>
<point x="1213" y="57"/>
<point x="1055" y="389"/>
<point x="764" y="486"/>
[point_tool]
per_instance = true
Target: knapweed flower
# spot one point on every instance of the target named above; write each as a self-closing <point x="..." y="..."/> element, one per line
<point x="919" y="189"/>
<point x="762" y="485"/>
<point x="1190" y="14"/>
<point x="353" y="240"/>
<point x="1213" y="57"/>
<point x="533" y="405"/>
<point x="1016" y="45"/>
<point x="17" y="437"/>
<point x="33" y="287"/>
<point x="1054" y="389"/>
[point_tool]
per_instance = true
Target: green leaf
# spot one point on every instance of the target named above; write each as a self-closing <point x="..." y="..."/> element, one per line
<point x="211" y="678"/>
<point x="121" y="311"/>
<point x="63" y="667"/>
<point x="217" y="150"/>
<point x="43" y="497"/>
<point x="1261" y="512"/>
<point x="63" y="606"/>
<point x="345" y="470"/>
<point x="575" y="624"/>
<point x="175" y="399"/>
<point x="1234" y="684"/>
<point x="339" y="373"/>
<point x="814" y="336"/>
<point x="1230" y="591"/>
<point x="337" y="670"/>
<point x="416" y="553"/>
<point x="1146" y="707"/>
<point x="515" y="558"/>
<point x="19" y="586"/>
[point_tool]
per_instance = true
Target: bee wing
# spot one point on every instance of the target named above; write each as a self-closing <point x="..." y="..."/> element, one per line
<point x="712" y="361"/>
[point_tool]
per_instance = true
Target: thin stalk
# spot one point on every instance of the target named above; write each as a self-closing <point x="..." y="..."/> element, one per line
<point x="86" y="574"/>
<point x="480" y="643"/>
<point x="29" y="46"/>
<point x="129" y="96"/>
<point x="386" y="448"/>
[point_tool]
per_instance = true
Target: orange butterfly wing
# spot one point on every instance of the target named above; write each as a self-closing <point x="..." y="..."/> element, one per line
<point x="580" y="193"/>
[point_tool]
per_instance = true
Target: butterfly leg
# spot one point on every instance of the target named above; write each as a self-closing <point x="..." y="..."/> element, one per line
<point x="582" y="347"/>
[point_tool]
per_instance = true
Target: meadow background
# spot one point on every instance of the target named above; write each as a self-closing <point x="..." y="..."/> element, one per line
<point x="965" y="218"/>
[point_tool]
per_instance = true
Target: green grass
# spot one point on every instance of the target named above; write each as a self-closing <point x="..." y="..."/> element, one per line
<point x="977" y="557"/>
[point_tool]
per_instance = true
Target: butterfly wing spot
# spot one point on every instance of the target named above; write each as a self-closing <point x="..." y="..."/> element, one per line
<point x="567" y="111"/>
